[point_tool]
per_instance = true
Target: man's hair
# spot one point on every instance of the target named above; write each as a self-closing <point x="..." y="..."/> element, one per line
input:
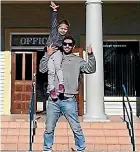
<point x="70" y="38"/>
<point x="64" y="22"/>
<point x="45" y="48"/>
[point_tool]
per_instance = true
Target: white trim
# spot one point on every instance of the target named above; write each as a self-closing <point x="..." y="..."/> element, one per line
<point x="134" y="40"/>
<point x="23" y="52"/>
<point x="113" y="99"/>
<point x="28" y="33"/>
<point x="2" y="72"/>
<point x="27" y="47"/>
<point x="10" y="88"/>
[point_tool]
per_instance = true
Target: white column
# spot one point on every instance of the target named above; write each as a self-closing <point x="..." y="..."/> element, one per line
<point x="95" y="110"/>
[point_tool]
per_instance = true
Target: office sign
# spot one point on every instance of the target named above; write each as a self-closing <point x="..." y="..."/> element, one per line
<point x="29" y="40"/>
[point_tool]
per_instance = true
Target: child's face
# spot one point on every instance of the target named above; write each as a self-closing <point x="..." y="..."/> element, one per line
<point x="63" y="29"/>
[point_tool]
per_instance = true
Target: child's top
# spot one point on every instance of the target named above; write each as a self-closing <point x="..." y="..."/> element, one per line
<point x="54" y="38"/>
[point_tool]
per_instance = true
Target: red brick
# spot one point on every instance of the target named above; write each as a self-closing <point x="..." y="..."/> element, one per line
<point x="100" y="147"/>
<point x="114" y="147"/>
<point x="89" y="140"/>
<point x="89" y="147"/>
<point x="14" y="125"/>
<point x="23" y="146"/>
<point x="91" y="132"/>
<point x="112" y="140"/>
<point x="4" y="131"/>
<point x="40" y="125"/>
<point x="123" y="132"/>
<point x="85" y="125"/>
<point x="124" y="140"/>
<point x="25" y="125"/>
<point x="23" y="139"/>
<point x="3" y="139"/>
<point x="24" y="131"/>
<point x="2" y="147"/>
<point x="38" y="139"/>
<point x="61" y="132"/>
<point x="61" y="140"/>
<point x="12" y="139"/>
<point x="5" y="125"/>
<point x="99" y="140"/>
<point x="110" y="132"/>
<point x="39" y="131"/>
<point x="126" y="147"/>
<point x="38" y="147"/>
<point x="13" y="131"/>
<point x="10" y="146"/>
<point x="71" y="140"/>
<point x="62" y="146"/>
<point x="137" y="140"/>
<point x="96" y="125"/>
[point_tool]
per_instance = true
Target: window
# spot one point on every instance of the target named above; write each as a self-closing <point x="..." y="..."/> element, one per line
<point x="18" y="66"/>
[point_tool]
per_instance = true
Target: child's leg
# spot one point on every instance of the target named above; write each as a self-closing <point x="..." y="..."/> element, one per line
<point x="51" y="77"/>
<point x="58" y="69"/>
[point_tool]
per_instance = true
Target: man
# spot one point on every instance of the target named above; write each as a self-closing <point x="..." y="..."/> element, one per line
<point x="72" y="66"/>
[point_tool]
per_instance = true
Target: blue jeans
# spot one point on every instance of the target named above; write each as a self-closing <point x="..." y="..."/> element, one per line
<point x="54" y="110"/>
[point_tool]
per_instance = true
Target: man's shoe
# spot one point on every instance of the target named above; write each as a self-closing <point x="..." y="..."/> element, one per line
<point x="74" y="150"/>
<point x="61" y="88"/>
<point x="53" y="94"/>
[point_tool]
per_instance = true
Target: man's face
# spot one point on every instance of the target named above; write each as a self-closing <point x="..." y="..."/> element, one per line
<point x="68" y="46"/>
<point x="63" y="29"/>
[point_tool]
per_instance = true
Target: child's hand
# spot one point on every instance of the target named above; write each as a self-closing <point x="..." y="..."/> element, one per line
<point x="53" y="6"/>
<point x="89" y="49"/>
<point x="50" y="49"/>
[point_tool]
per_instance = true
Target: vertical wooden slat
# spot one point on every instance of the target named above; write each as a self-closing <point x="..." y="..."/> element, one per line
<point x="81" y="91"/>
<point x="13" y="63"/>
<point x="23" y="66"/>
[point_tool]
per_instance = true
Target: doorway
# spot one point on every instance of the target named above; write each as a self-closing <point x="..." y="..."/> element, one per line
<point x="41" y="85"/>
<point x="23" y="69"/>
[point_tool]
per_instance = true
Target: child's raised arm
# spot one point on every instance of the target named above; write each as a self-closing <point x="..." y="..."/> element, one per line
<point x="54" y="15"/>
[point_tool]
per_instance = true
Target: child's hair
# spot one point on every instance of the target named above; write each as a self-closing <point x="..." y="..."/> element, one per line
<point x="64" y="22"/>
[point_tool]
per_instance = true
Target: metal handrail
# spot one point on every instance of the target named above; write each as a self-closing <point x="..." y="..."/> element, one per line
<point x="31" y="114"/>
<point x="129" y="115"/>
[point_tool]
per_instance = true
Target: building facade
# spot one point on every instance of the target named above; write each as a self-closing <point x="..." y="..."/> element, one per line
<point x="24" y="31"/>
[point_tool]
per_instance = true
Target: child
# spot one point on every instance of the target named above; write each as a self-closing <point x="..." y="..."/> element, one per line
<point x="57" y="34"/>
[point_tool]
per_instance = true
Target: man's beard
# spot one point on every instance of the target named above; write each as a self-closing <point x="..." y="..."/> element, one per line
<point x="66" y="53"/>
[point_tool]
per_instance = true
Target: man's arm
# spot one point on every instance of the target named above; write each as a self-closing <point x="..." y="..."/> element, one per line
<point x="90" y="66"/>
<point x="43" y="66"/>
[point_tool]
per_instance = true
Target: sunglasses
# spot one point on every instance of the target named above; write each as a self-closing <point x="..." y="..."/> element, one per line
<point x="69" y="44"/>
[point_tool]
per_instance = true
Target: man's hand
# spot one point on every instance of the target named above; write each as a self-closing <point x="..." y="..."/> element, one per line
<point x="89" y="49"/>
<point x="50" y="49"/>
<point x="54" y="6"/>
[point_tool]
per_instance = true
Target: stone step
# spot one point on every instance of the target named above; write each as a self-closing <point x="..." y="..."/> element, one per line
<point x="99" y="136"/>
<point x="66" y="147"/>
<point x="69" y="151"/>
<point x="68" y="132"/>
<point x="94" y="125"/>
<point x="69" y="139"/>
